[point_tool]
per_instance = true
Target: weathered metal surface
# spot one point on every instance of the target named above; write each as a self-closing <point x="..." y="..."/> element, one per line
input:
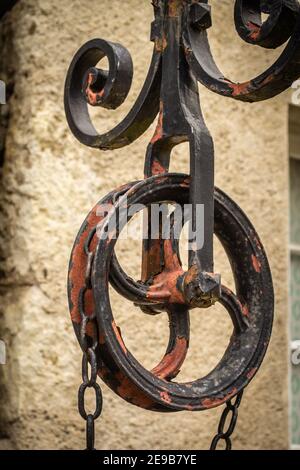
<point x="181" y="56"/>
<point x="283" y="23"/>
<point x="251" y="308"/>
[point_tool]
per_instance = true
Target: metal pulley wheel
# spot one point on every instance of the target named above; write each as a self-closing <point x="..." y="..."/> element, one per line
<point x="250" y="308"/>
<point x="181" y="58"/>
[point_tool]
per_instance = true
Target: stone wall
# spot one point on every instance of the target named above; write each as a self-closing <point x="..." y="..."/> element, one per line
<point x="48" y="184"/>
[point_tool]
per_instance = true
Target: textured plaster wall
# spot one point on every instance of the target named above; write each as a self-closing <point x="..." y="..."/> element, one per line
<point x="48" y="184"/>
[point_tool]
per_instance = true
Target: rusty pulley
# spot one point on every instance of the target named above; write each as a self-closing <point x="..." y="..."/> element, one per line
<point x="181" y="57"/>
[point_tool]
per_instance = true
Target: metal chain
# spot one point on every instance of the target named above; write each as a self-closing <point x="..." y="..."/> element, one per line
<point x="225" y="435"/>
<point x="89" y="345"/>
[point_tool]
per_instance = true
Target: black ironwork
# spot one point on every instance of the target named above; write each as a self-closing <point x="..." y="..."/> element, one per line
<point x="89" y="343"/>
<point x="230" y="416"/>
<point x="181" y="56"/>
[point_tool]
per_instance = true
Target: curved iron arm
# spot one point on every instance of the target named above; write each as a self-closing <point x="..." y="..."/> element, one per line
<point x="87" y="85"/>
<point x="282" y="23"/>
<point x="83" y="75"/>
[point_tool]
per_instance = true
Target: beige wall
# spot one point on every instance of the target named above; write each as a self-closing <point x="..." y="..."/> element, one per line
<point x="50" y="181"/>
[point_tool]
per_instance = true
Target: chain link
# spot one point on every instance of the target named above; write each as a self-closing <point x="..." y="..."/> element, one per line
<point x="230" y="412"/>
<point x="89" y="379"/>
<point x="89" y="345"/>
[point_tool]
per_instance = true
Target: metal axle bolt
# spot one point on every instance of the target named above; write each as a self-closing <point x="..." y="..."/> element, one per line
<point x="200" y="15"/>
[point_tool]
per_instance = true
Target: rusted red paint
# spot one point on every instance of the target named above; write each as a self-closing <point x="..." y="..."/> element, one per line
<point x="165" y="290"/>
<point x="213" y="402"/>
<point x="268" y="79"/>
<point x="189" y="408"/>
<point x="164" y="287"/>
<point x="77" y="271"/>
<point x="171" y="362"/>
<point x="256" y="264"/>
<point x="255" y="30"/>
<point x="191" y="274"/>
<point x="170" y="365"/>
<point x="157" y="168"/>
<point x="186" y="183"/>
<point x="245" y="310"/>
<point x="118" y="335"/>
<point x="151" y="261"/>
<point x="161" y="43"/>
<point x="92" y="97"/>
<point x="151" y="256"/>
<point x="165" y="397"/>
<point x="158" y="134"/>
<point x="239" y="88"/>
<point x="244" y="307"/>
<point x="252" y="373"/>
<point x="129" y="391"/>
<point x="160" y="179"/>
<point x="79" y="261"/>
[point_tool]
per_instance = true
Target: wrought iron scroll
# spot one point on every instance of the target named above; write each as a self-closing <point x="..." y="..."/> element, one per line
<point x="181" y="58"/>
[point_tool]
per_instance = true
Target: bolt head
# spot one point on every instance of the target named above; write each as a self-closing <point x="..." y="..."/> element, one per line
<point x="201" y="289"/>
<point x="200" y="16"/>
